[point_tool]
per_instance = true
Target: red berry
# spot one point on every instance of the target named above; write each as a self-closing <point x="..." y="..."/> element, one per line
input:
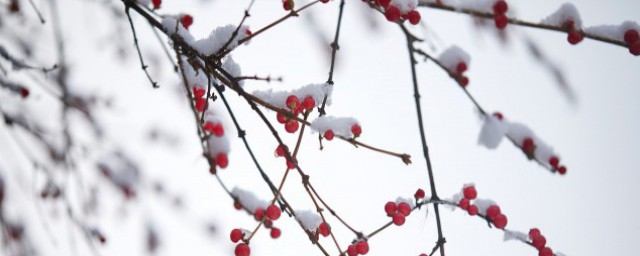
<point x="362" y="247"/>
<point x="470" y="192"/>
<point x="352" y="251"/>
<point x="472" y="210"/>
<point x="528" y="146"/>
<point x="237" y="205"/>
<point x="500" y="221"/>
<point x="293" y="102"/>
<point x="413" y="17"/>
<point x="390" y="208"/>
<point x="500" y="7"/>
<point x="324" y="229"/>
<point x="498" y="115"/>
<point x="281" y="118"/>
<point x="554" y="161"/>
<point x="539" y="242"/>
<point x="324" y="1"/>
<point x="14" y="6"/>
<point x="186" y="21"/>
<point x="562" y="170"/>
<point x="290" y="165"/>
<point x="280" y="151"/>
<point x="398" y="219"/>
<point x="631" y="36"/>
<point x="356" y="130"/>
<point x="464" y="203"/>
<point x="574" y="37"/>
<point x="275" y="233"/>
<point x="24" y="92"/>
<point x="200" y="104"/>
<point x="328" y="135"/>
<point x="291" y="126"/>
<point x="634" y="48"/>
<point x="404" y="208"/>
<point x="384" y="3"/>
<point x="568" y="25"/>
<point x="493" y="211"/>
<point x="215" y="129"/>
<point x="273" y="212"/>
<point x="248" y="32"/>
<point x="461" y="67"/>
<point x="258" y="214"/>
<point x="500" y="20"/>
<point x="534" y="232"/>
<point x="242" y="250"/>
<point x="419" y="194"/>
<point x="198" y="92"/>
<point x="222" y="160"/>
<point x="546" y="252"/>
<point x="268" y="223"/>
<point x="464" y="81"/>
<point x="156" y="4"/>
<point x="392" y="13"/>
<point x="308" y="103"/>
<point x="236" y="235"/>
<point x="288" y="5"/>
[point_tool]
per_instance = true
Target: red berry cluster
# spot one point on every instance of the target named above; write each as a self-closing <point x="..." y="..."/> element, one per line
<point x="358" y="248"/>
<point x="493" y="213"/>
<point x="459" y="74"/>
<point x="186" y="20"/>
<point x="156" y="4"/>
<point x="397" y="212"/>
<point x="280" y="152"/>
<point x="288" y="5"/>
<point x="393" y="13"/>
<point x="554" y="161"/>
<point x="574" y="35"/>
<point x="200" y="98"/>
<point x="500" y="9"/>
<point x="268" y="216"/>
<point x="539" y="242"/>
<point x="632" y="38"/>
<point x="296" y="107"/>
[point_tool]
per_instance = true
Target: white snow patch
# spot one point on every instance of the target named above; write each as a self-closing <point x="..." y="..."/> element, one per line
<point x="233" y="68"/>
<point x="492" y="132"/>
<point x="218" y="38"/>
<point x="615" y="32"/>
<point x="405" y="6"/>
<point x="309" y="220"/>
<point x="515" y="235"/>
<point x="452" y="56"/>
<point x="248" y="199"/>
<point x="567" y="11"/>
<point x="171" y="26"/>
<point x="278" y="98"/>
<point x="339" y="125"/>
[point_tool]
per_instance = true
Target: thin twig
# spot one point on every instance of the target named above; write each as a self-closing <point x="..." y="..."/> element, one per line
<point x="135" y="41"/>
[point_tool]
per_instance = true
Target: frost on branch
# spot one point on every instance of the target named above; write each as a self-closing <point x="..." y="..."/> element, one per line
<point x="515" y="235"/>
<point x="279" y="98"/>
<point x="309" y="220"/>
<point x="339" y="125"/>
<point x="248" y="199"/>
<point x="614" y="32"/>
<point x="452" y="57"/>
<point x="565" y="13"/>
<point x="233" y="68"/>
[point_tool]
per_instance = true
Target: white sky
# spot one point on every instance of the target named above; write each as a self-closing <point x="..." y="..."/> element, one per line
<point x="590" y="211"/>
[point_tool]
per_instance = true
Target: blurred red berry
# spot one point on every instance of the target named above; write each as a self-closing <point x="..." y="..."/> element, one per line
<point x="236" y="235"/>
<point x="275" y="233"/>
<point x="242" y="250"/>
<point x="273" y="212"/>
<point x="398" y="219"/>
<point x="392" y="13"/>
<point x="470" y="192"/>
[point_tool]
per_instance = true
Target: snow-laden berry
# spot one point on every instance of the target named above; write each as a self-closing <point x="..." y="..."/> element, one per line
<point x="258" y="214"/>
<point x="273" y="212"/>
<point x="291" y="126"/>
<point x="236" y="235"/>
<point x="198" y="92"/>
<point x="574" y="37"/>
<point x="398" y="219"/>
<point x="222" y="160"/>
<point x="242" y="250"/>
<point x="493" y="211"/>
<point x="470" y="192"/>
<point x="324" y="229"/>
<point x="500" y="7"/>
<point x="472" y="210"/>
<point x="392" y="13"/>
<point x="362" y="247"/>
<point x="404" y="208"/>
<point x="186" y="21"/>
<point x="631" y="36"/>
<point x="419" y="194"/>
<point x="308" y="103"/>
<point x="275" y="233"/>
<point x="461" y="67"/>
<point x="534" y="232"/>
<point x="539" y="242"/>
<point x="413" y="17"/>
<point x="500" y="221"/>
<point x="329" y="135"/>
<point x="156" y="4"/>
<point x="464" y="203"/>
<point x="288" y="5"/>
<point x="384" y="3"/>
<point x="356" y="130"/>
<point x="293" y="102"/>
<point x="554" y="161"/>
<point x="390" y="208"/>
